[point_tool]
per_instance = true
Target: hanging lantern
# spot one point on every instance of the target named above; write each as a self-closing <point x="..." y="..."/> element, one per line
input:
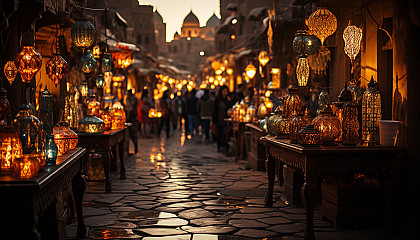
<point x="302" y="71"/>
<point x="309" y="136"/>
<point x="229" y="71"/>
<point x="5" y="109"/>
<point x="352" y="36"/>
<point x="45" y="114"/>
<point x="106" y="63"/>
<point x="323" y="101"/>
<point x="29" y="129"/>
<point x="328" y="125"/>
<point x="296" y="124"/>
<point x="96" y="51"/>
<point x="322" y="23"/>
<point x="61" y="139"/>
<point x="56" y="68"/>
<point x="263" y="58"/>
<point x="84" y="90"/>
<point x="350" y="125"/>
<point x="100" y="81"/>
<point x="51" y="151"/>
<point x="291" y="103"/>
<point x="305" y="44"/>
<point x="250" y="71"/>
<point x="87" y="62"/>
<point x="83" y="33"/>
<point x="10" y="148"/>
<point x="371" y="114"/>
<point x="28" y="63"/>
<point x="72" y="137"/>
<point x="91" y="125"/>
<point x="355" y="91"/>
<point x="10" y="71"/>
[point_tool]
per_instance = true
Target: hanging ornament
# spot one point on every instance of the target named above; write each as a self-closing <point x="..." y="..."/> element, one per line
<point x="250" y="71"/>
<point x="83" y="33"/>
<point x="10" y="71"/>
<point x="352" y="36"/>
<point x="96" y="52"/>
<point x="305" y="44"/>
<point x="322" y="23"/>
<point x="57" y="68"/>
<point x="28" y="63"/>
<point x="263" y="58"/>
<point x="302" y="71"/>
<point x="87" y="62"/>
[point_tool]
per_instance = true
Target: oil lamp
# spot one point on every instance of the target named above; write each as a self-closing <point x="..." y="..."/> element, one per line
<point x="322" y="23"/>
<point x="10" y="71"/>
<point x="371" y="114"/>
<point x="10" y="148"/>
<point x="96" y="51"/>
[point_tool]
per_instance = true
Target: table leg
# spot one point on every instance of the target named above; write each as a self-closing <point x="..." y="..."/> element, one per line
<point x="121" y="153"/>
<point x="106" y="158"/>
<point x="309" y="194"/>
<point x="270" y="166"/>
<point x="78" y="186"/>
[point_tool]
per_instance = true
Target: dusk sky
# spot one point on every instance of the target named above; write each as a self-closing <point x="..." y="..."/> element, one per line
<point x="174" y="12"/>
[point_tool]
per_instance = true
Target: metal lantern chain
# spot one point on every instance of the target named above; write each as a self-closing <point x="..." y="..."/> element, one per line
<point x="352" y="36"/>
<point x="371" y="114"/>
<point x="322" y="23"/>
<point x="302" y="71"/>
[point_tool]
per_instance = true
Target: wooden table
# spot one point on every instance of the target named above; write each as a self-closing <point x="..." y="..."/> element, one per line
<point x="28" y="206"/>
<point x="238" y="129"/>
<point x="107" y="143"/>
<point x="256" y="155"/>
<point x="322" y="161"/>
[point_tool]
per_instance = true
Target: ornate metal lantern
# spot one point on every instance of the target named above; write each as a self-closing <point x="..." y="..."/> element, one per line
<point x="350" y="125"/>
<point x="282" y="125"/>
<point x="263" y="58"/>
<point x="324" y="101"/>
<point x="72" y="137"/>
<point x="309" y="135"/>
<point x="296" y="124"/>
<point x="93" y="107"/>
<point x="83" y="33"/>
<point x="61" y="139"/>
<point x="352" y="36"/>
<point x="28" y="63"/>
<point x="26" y="166"/>
<point x="100" y="81"/>
<point x="302" y="71"/>
<point x="84" y="89"/>
<point x="10" y="148"/>
<point x="250" y="71"/>
<point x="328" y="125"/>
<point x="51" y="151"/>
<point x="251" y="111"/>
<point x="262" y="111"/>
<point x="72" y="110"/>
<point x="45" y="114"/>
<point x="291" y="103"/>
<point x="117" y="116"/>
<point x="57" y="68"/>
<point x="91" y="125"/>
<point x="87" y="62"/>
<point x="322" y="23"/>
<point x="371" y="114"/>
<point x="10" y="71"/>
<point x="4" y="105"/>
<point x="355" y="91"/>
<point x="106" y="63"/>
<point x="305" y="44"/>
<point x="106" y="117"/>
<point x="29" y="130"/>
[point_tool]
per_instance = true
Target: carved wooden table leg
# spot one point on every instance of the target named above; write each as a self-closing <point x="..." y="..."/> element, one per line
<point x="309" y="193"/>
<point x="106" y="159"/>
<point x="270" y="166"/>
<point x="78" y="186"/>
<point x="121" y="153"/>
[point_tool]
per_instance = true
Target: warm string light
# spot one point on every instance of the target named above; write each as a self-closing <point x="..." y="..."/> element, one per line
<point x="352" y="36"/>
<point x="302" y="71"/>
<point x="322" y="23"/>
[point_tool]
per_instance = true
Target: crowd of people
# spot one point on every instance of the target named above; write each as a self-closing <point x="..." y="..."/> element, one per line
<point x="201" y="113"/>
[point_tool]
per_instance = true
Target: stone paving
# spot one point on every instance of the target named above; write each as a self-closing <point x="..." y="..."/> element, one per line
<point x="181" y="189"/>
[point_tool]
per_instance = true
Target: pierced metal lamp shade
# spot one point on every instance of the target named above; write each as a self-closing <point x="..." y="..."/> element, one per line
<point x="352" y="36"/>
<point x="322" y="23"/>
<point x="328" y="125"/>
<point x="45" y="113"/>
<point x="83" y="33"/>
<point x="291" y="103"/>
<point x="10" y="71"/>
<point x="371" y="114"/>
<point x="350" y="125"/>
<point x="305" y="44"/>
<point x="28" y="63"/>
<point x="302" y="71"/>
<point x="57" y="68"/>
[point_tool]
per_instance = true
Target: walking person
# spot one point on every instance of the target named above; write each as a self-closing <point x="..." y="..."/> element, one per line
<point x="132" y="105"/>
<point x="205" y="107"/>
<point x="192" y="113"/>
<point x="144" y="107"/>
<point x="219" y="115"/>
<point x="166" y="113"/>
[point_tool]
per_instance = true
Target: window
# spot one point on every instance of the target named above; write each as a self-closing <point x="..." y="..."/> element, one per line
<point x="169" y="49"/>
<point x="189" y="33"/>
<point x="175" y="50"/>
<point x="146" y="40"/>
<point x="139" y="39"/>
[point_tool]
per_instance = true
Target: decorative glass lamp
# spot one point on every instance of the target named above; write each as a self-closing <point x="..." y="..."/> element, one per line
<point x="302" y="71"/>
<point x="250" y="71"/>
<point x="10" y="71"/>
<point x="57" y="68"/>
<point x="10" y="148"/>
<point x="352" y="36"/>
<point x="93" y="107"/>
<point x="324" y="101"/>
<point x="322" y="23"/>
<point x="87" y="62"/>
<point x="282" y="125"/>
<point x="73" y="138"/>
<point x="61" y="139"/>
<point x="291" y="103"/>
<point x="350" y="125"/>
<point x="305" y="44"/>
<point x="83" y="33"/>
<point x="371" y="114"/>
<point x="26" y="166"/>
<point x="29" y="129"/>
<point x="117" y="116"/>
<point x="28" y="63"/>
<point x="309" y="136"/>
<point x="106" y="63"/>
<point x="329" y="126"/>
<point x="271" y="127"/>
<point x="45" y="113"/>
<point x="96" y="51"/>
<point x="100" y="81"/>
<point x="296" y="124"/>
<point x="106" y="117"/>
<point x="355" y="91"/>
<point x="263" y="58"/>
<point x="91" y="125"/>
<point x="51" y="151"/>
<point x="5" y="109"/>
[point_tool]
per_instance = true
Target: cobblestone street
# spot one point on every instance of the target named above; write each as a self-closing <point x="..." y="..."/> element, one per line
<point x="181" y="189"/>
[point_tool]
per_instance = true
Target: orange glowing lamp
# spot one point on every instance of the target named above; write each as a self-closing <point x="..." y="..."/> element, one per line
<point x="10" y="148"/>
<point x="28" y="63"/>
<point x="26" y="166"/>
<point x="61" y="139"/>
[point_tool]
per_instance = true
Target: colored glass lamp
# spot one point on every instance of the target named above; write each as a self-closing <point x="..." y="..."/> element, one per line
<point x="263" y="58"/>
<point x="93" y="107"/>
<point x="250" y="71"/>
<point x="83" y="33"/>
<point x="10" y="71"/>
<point x="51" y="151"/>
<point x="251" y="111"/>
<point x="302" y="71"/>
<point x="57" y="68"/>
<point x="106" y="63"/>
<point x="305" y="44"/>
<point x="329" y="126"/>
<point x="61" y="139"/>
<point x="10" y="148"/>
<point x="100" y="81"/>
<point x="371" y="114"/>
<point x="87" y="62"/>
<point x="96" y="51"/>
<point x="309" y="136"/>
<point x="28" y="63"/>
<point x="118" y="117"/>
<point x="322" y="23"/>
<point x="291" y="103"/>
<point x="91" y="124"/>
<point x="29" y="129"/>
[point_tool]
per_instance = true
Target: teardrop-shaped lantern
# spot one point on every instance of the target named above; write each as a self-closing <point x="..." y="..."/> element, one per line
<point x="87" y="62"/>
<point x="56" y="68"/>
<point x="352" y="36"/>
<point x="302" y="71"/>
<point x="263" y="58"/>
<point x="10" y="71"/>
<point x="83" y="33"/>
<point x="28" y="63"/>
<point x="250" y="70"/>
<point x="322" y="23"/>
<point x="305" y="44"/>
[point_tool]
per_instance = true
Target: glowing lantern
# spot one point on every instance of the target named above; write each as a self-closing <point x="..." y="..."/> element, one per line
<point x="72" y="137"/>
<point x="322" y="23"/>
<point x="108" y="79"/>
<point x="61" y="139"/>
<point x="91" y="125"/>
<point x="117" y="116"/>
<point x="84" y="90"/>
<point x="51" y="151"/>
<point x="10" y="148"/>
<point x="106" y="63"/>
<point x="229" y="71"/>
<point x="26" y="166"/>
<point x="328" y="125"/>
<point x="263" y="58"/>
<point x="56" y="68"/>
<point x="251" y="111"/>
<point x="282" y="125"/>
<point x="122" y="59"/>
<point x="45" y="113"/>
<point x="93" y="107"/>
<point x="297" y="123"/>
<point x="250" y="71"/>
<point x="100" y="81"/>
<point x="291" y="103"/>
<point x="371" y="114"/>
<point x="309" y="135"/>
<point x="324" y="101"/>
<point x="302" y="71"/>
<point x="352" y="36"/>
<point x="350" y="125"/>
<point x="106" y="117"/>
<point x="10" y="71"/>
<point x="28" y="63"/>
<point x="305" y="44"/>
<point x="96" y="51"/>
<point x="87" y="62"/>
<point x="262" y="111"/>
<point x="83" y="33"/>
<point x="29" y="129"/>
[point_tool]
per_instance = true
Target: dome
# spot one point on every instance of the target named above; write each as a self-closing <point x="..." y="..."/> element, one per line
<point x="157" y="16"/>
<point x="191" y="20"/>
<point x="213" y="21"/>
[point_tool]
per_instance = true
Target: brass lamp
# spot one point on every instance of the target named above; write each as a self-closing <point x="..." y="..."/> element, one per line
<point x="83" y="33"/>
<point x="322" y="23"/>
<point x="282" y="125"/>
<point x="28" y="63"/>
<point x="296" y="124"/>
<point x="329" y="126"/>
<point x="350" y="125"/>
<point x="291" y="103"/>
<point x="371" y="114"/>
<point x="302" y="71"/>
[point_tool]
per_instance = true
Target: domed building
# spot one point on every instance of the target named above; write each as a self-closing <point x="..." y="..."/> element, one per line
<point x="190" y="26"/>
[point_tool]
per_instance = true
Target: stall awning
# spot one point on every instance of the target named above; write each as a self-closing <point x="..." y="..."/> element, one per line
<point x="120" y="19"/>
